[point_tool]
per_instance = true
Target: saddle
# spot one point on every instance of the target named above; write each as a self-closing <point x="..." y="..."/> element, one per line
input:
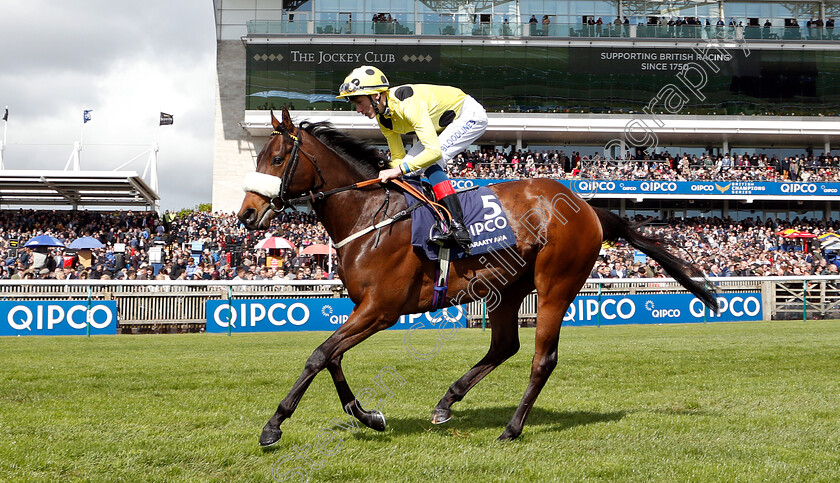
<point x="484" y="217"/>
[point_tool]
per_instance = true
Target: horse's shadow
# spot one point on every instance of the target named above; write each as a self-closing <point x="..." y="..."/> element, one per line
<point x="470" y="419"/>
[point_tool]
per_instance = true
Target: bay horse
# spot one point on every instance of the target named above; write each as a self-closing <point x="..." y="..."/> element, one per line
<point x="558" y="238"/>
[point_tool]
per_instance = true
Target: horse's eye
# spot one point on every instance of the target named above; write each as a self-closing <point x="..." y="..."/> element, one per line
<point x="277" y="160"/>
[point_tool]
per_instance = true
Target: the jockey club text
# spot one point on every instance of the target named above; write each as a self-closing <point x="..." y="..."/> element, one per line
<point x="322" y="57"/>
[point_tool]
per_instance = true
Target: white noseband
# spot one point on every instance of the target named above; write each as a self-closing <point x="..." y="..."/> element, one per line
<point x="264" y="184"/>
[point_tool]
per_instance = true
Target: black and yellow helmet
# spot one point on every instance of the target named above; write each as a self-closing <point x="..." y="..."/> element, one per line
<point x="363" y="81"/>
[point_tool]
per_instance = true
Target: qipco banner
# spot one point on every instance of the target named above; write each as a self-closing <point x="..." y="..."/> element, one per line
<point x="636" y="187"/>
<point x="660" y="309"/>
<point x="58" y="318"/>
<point x="746" y="188"/>
<point x="276" y="315"/>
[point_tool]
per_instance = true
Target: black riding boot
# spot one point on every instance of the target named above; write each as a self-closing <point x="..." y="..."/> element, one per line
<point x="457" y="231"/>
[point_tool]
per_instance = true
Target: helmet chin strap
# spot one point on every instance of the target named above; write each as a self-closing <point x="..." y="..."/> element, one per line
<point x="375" y="106"/>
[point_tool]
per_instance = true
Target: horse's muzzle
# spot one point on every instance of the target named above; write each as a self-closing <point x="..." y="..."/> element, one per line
<point x="256" y="212"/>
<point x="248" y="217"/>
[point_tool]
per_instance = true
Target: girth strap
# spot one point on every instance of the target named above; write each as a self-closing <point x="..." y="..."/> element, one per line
<point x="441" y="280"/>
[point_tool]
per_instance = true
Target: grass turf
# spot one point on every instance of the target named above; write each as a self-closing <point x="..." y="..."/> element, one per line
<point x="721" y="402"/>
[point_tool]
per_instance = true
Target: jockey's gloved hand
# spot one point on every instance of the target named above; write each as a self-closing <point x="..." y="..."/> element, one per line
<point x="388" y="174"/>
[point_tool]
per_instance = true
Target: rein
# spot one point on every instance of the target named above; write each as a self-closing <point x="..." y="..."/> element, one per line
<point x="320" y="195"/>
<point x="420" y="196"/>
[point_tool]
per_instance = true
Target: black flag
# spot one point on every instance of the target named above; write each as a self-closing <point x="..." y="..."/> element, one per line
<point x="6" y="115"/>
<point x="166" y="119"/>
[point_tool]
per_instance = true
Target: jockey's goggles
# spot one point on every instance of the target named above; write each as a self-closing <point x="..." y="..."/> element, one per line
<point x="347" y="88"/>
<point x="350" y="89"/>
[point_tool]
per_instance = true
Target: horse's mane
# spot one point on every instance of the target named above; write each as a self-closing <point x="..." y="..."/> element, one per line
<point x="363" y="155"/>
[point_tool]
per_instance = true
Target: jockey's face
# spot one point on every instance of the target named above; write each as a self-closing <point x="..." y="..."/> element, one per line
<point x="364" y="106"/>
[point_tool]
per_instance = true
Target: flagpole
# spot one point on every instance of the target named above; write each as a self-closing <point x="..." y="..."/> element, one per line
<point x="3" y="144"/>
<point x="77" y="165"/>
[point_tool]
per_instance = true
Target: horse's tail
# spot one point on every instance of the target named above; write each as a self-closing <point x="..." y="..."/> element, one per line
<point x="615" y="227"/>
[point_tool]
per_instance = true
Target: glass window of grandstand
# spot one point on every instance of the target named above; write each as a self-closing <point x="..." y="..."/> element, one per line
<point x="360" y="17"/>
<point x="578" y="18"/>
<point x="327" y="23"/>
<point x="274" y="18"/>
<point x="780" y="21"/>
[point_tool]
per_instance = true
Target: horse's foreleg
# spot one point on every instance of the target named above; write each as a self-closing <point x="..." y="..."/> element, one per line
<point x="361" y="325"/>
<point x="504" y="343"/>
<point x="372" y="419"/>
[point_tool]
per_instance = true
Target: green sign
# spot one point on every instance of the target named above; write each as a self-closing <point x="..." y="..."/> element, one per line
<point x="330" y="58"/>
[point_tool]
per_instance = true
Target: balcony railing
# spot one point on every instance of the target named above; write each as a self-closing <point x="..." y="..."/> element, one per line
<point x="486" y="29"/>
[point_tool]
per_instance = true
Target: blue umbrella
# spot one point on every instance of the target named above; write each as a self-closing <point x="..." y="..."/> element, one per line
<point x="44" y="241"/>
<point x="85" y="243"/>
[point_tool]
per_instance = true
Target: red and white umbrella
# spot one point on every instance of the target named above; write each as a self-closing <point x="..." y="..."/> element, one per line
<point x="317" y="249"/>
<point x="799" y="234"/>
<point x="275" y="242"/>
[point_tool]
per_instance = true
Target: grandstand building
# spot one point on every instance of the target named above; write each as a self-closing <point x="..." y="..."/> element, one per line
<point x="609" y="77"/>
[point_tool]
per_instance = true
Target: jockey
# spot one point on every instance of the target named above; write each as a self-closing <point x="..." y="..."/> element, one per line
<point x="445" y="120"/>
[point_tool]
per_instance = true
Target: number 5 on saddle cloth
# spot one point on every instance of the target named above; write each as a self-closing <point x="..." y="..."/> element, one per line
<point x="483" y="215"/>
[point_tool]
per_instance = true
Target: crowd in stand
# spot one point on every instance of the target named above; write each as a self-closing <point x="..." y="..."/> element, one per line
<point x="203" y="245"/>
<point x="556" y="164"/>
<point x="226" y="249"/>
<point x="198" y="246"/>
<point x="724" y="248"/>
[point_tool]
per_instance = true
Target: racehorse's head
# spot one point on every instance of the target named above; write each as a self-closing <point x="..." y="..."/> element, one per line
<point x="279" y="176"/>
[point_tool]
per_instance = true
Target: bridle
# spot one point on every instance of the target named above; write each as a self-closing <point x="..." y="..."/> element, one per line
<point x="281" y="202"/>
<point x="277" y="190"/>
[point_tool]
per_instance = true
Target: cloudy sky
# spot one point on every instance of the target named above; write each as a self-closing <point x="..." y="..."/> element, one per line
<point x="128" y="61"/>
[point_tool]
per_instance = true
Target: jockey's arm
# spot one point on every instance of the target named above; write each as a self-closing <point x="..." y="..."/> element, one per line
<point x="396" y="146"/>
<point x="418" y="115"/>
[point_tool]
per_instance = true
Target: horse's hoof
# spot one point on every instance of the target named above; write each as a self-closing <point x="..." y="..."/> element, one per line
<point x="440" y="416"/>
<point x="376" y="421"/>
<point x="509" y="435"/>
<point x="372" y="419"/>
<point x="270" y="436"/>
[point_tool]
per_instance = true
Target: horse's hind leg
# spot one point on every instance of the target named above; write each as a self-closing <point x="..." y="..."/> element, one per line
<point x="554" y="297"/>
<point x="372" y="419"/>
<point x="544" y="362"/>
<point x="504" y="343"/>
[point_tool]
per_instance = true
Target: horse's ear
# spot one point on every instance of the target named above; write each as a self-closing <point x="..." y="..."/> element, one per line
<point x="274" y="122"/>
<point x="287" y="122"/>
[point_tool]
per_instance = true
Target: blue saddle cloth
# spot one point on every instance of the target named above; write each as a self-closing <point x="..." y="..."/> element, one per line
<point x="485" y="219"/>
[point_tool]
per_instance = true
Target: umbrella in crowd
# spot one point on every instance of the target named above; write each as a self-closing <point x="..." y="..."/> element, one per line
<point x="85" y="243"/>
<point x="275" y="242"/>
<point x="43" y="241"/>
<point x="317" y="249"/>
<point x="799" y="234"/>
<point x="830" y="241"/>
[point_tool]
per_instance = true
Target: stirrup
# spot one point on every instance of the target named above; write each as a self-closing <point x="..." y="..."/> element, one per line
<point x="442" y="235"/>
